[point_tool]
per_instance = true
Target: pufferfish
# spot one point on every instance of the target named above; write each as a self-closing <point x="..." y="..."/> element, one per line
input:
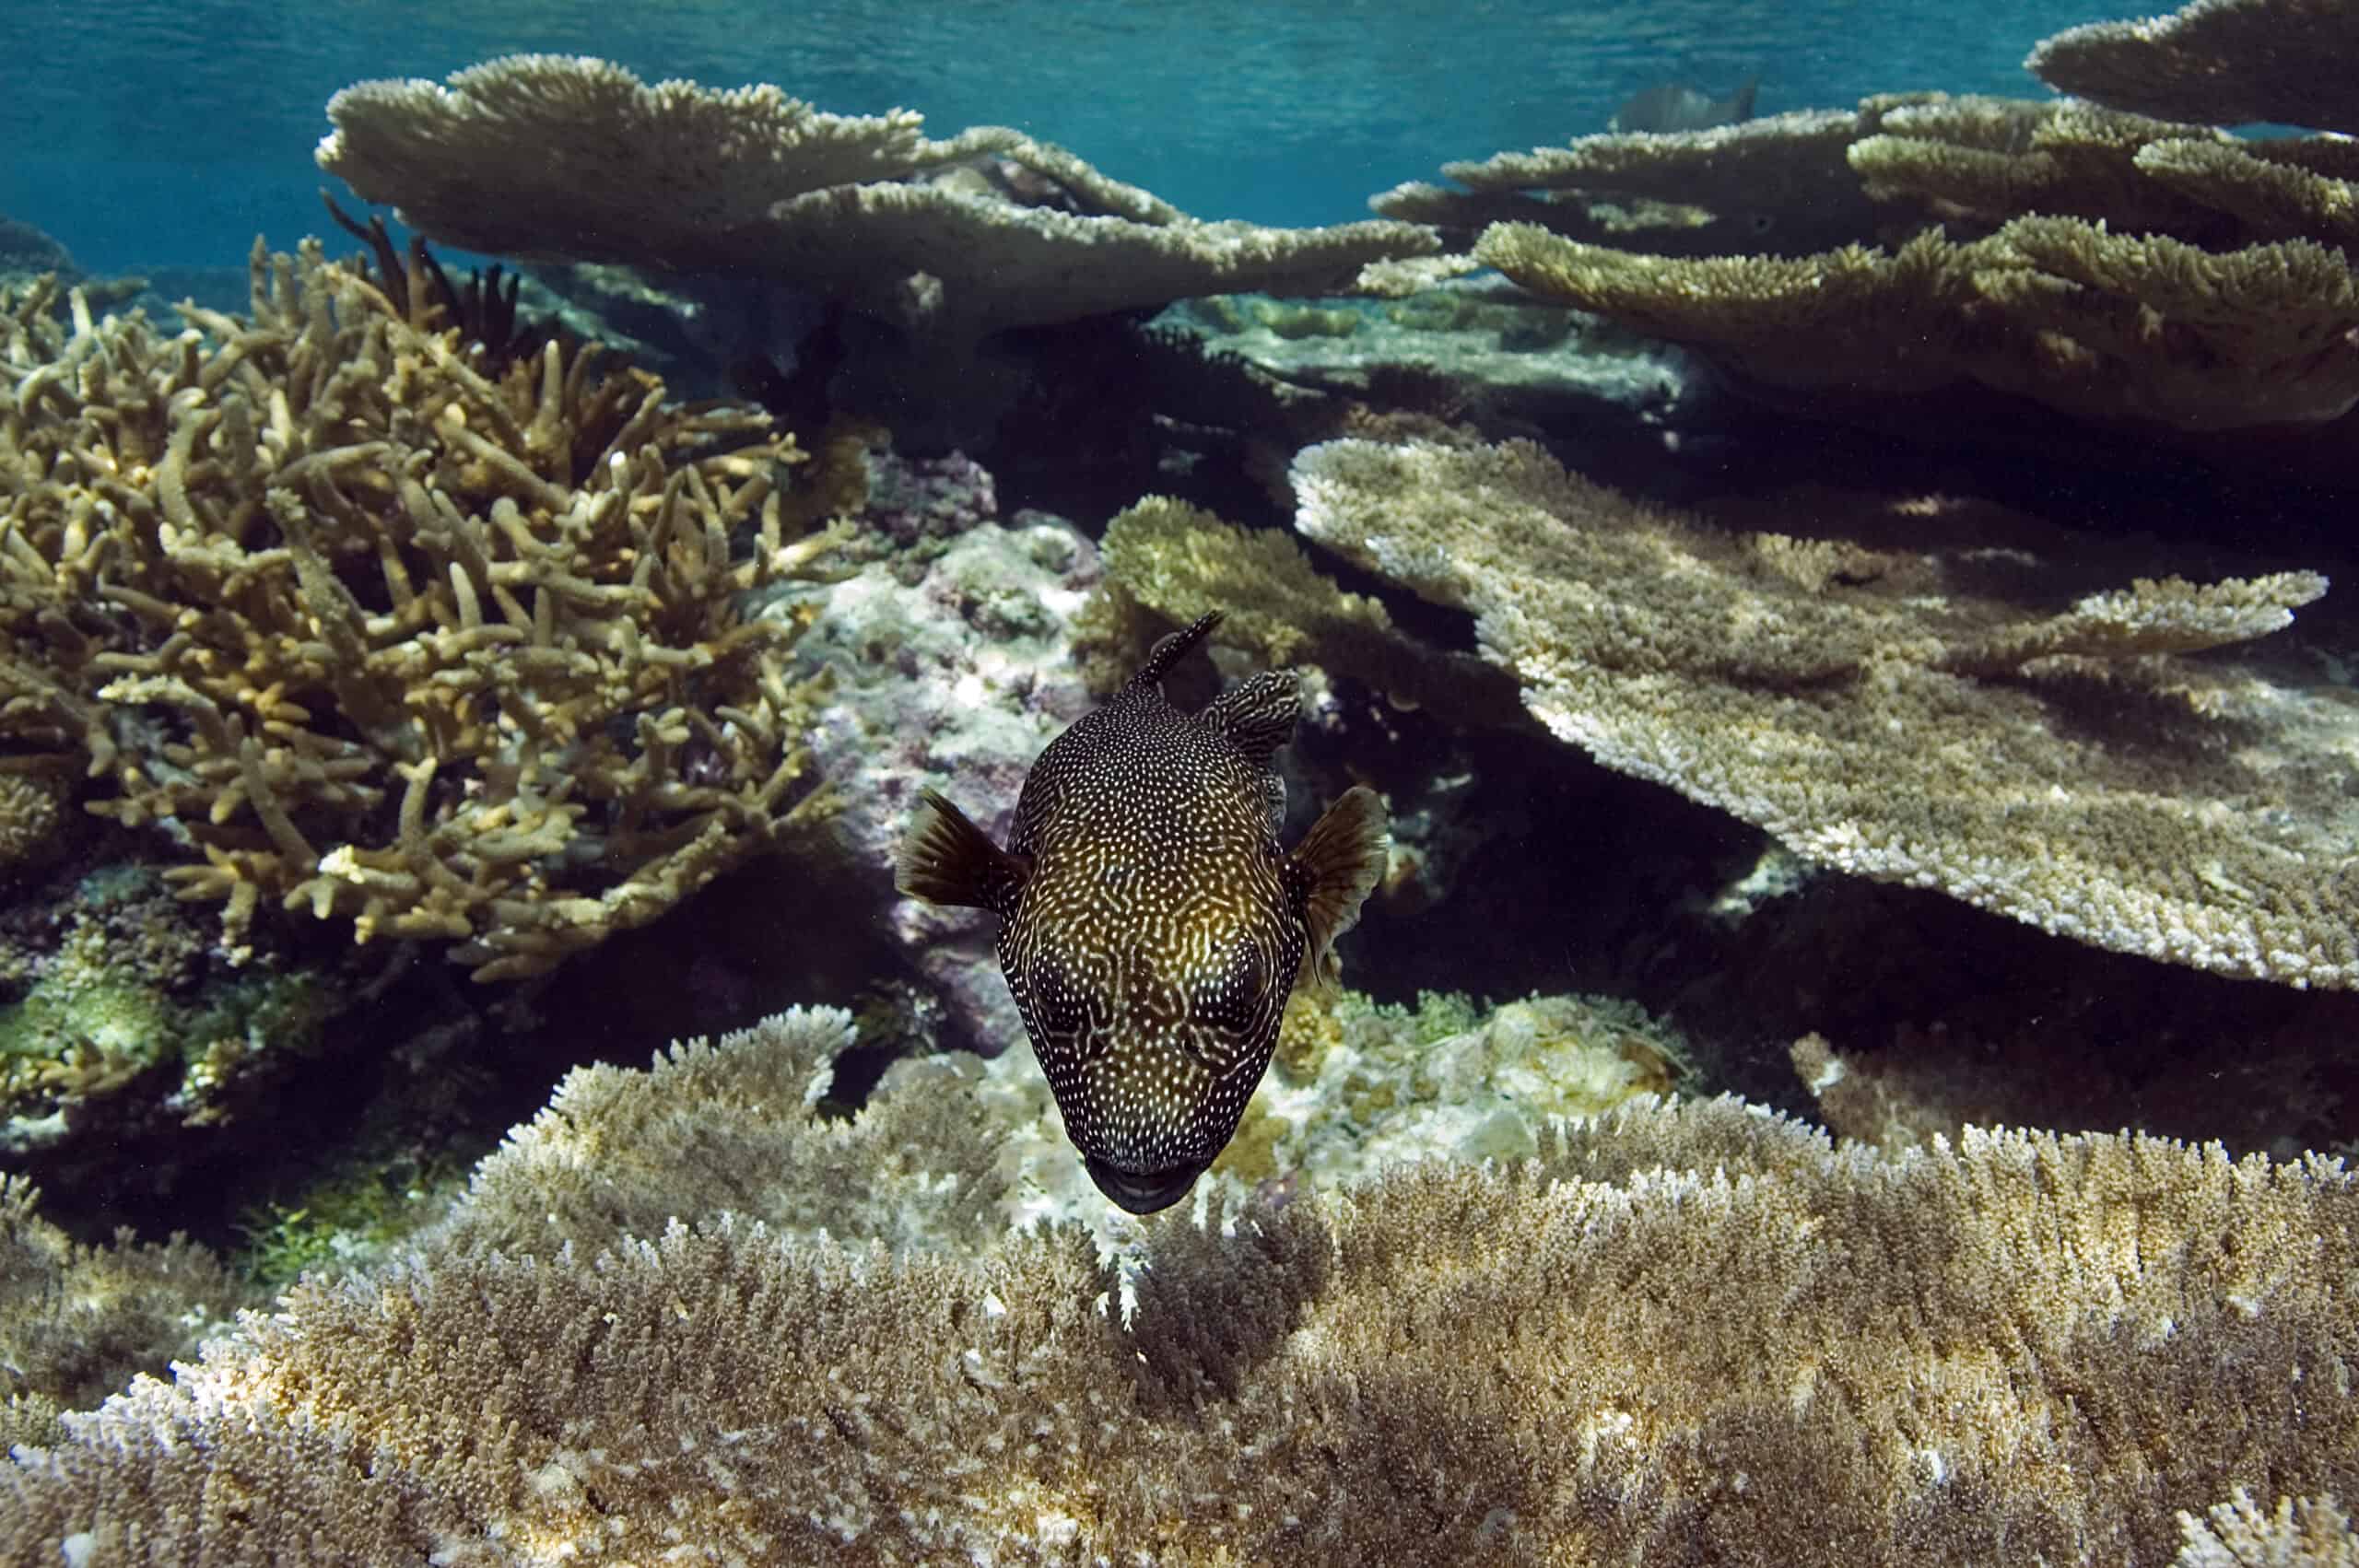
<point x="1152" y="927"/>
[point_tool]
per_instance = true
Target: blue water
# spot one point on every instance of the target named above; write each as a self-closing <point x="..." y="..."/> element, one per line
<point x="146" y="135"/>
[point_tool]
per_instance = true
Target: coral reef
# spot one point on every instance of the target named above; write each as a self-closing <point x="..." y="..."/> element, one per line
<point x="1686" y="1333"/>
<point x="1512" y="356"/>
<point x="1171" y="557"/>
<point x="2065" y="766"/>
<point x="372" y="633"/>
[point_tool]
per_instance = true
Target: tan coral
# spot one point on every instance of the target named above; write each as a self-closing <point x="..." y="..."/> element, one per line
<point x="1923" y="715"/>
<point x="2217" y="61"/>
<point x="734" y="1126"/>
<point x="1776" y="182"/>
<point x="2099" y="325"/>
<point x="556" y="155"/>
<point x="1172" y="556"/>
<point x="455" y="657"/>
<point x="78" y="1321"/>
<point x="1688" y="1333"/>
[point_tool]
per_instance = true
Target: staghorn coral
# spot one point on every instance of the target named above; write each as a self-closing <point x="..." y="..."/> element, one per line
<point x="1907" y="706"/>
<point x="549" y="156"/>
<point x="2095" y="325"/>
<point x="77" y="1322"/>
<point x="453" y="655"/>
<point x="1686" y="1333"/>
<point x="2221" y="61"/>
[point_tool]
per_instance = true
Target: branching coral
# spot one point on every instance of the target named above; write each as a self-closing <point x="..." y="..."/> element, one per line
<point x="385" y="637"/>
<point x="1912" y="710"/>
<point x="77" y="1322"/>
<point x="733" y="1128"/>
<point x="1684" y="1334"/>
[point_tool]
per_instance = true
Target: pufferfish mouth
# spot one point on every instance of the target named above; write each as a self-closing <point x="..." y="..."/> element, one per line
<point x="1144" y="1192"/>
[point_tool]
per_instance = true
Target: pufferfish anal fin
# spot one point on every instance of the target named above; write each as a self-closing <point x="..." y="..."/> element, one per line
<point x="1257" y="715"/>
<point x="1338" y="863"/>
<point x="946" y="859"/>
<point x="1168" y="650"/>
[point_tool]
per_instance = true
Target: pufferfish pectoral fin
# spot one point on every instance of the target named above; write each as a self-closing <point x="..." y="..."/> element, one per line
<point x="946" y="859"/>
<point x="1338" y="862"/>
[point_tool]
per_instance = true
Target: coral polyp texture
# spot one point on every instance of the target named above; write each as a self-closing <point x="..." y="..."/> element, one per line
<point x="1677" y="1333"/>
<point x="378" y="636"/>
<point x="950" y="240"/>
<point x="1901" y="702"/>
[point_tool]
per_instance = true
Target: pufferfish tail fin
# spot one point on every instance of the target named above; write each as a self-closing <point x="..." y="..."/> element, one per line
<point x="946" y="859"/>
<point x="1340" y="861"/>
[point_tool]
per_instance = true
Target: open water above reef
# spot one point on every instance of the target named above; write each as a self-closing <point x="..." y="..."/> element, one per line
<point x="149" y="134"/>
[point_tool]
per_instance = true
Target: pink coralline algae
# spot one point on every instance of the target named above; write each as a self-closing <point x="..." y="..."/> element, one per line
<point x="910" y="499"/>
<point x="952" y="679"/>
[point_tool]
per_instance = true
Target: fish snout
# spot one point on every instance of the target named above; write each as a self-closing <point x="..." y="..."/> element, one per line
<point x="1144" y="1192"/>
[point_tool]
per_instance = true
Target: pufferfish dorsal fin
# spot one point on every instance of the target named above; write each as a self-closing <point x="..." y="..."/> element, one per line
<point x="946" y="859"/>
<point x="1338" y="863"/>
<point x="1257" y="715"/>
<point x="1168" y="650"/>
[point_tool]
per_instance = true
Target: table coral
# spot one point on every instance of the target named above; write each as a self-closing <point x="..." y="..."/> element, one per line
<point x="1906" y="705"/>
<point x="370" y="632"/>
<point x="2224" y="62"/>
<point x="1691" y="1333"/>
<point x="950" y="240"/>
<point x="2103" y="326"/>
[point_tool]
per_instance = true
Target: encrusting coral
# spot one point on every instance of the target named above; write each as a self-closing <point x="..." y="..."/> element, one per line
<point x="1903" y="704"/>
<point x="1691" y="1333"/>
<point x="455" y="655"/>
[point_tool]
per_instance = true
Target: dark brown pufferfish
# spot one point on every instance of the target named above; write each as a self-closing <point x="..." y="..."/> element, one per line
<point x="1151" y="926"/>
